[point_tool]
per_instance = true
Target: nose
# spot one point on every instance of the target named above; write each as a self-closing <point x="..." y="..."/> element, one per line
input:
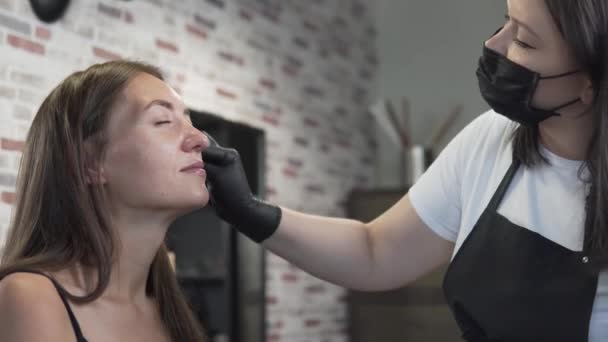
<point x="195" y="141"/>
<point x="499" y="42"/>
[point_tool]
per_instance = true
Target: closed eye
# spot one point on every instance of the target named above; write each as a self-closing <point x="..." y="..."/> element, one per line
<point x="162" y="122"/>
<point x="522" y="44"/>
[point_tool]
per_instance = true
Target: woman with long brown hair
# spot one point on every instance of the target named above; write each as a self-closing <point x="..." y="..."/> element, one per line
<point x="111" y="159"/>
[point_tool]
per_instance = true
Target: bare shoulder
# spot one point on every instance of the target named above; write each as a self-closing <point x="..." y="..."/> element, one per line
<point x="32" y="310"/>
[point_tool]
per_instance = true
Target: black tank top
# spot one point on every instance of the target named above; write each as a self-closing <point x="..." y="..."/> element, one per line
<point x="62" y="295"/>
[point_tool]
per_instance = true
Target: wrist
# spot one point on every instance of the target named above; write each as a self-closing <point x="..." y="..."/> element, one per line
<point x="260" y="221"/>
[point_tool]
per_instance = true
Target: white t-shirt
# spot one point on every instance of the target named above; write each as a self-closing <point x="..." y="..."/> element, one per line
<point x="451" y="195"/>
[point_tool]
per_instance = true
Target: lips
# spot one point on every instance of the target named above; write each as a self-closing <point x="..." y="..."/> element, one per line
<point x="193" y="167"/>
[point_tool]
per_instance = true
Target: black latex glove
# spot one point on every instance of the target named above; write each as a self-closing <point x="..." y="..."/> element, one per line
<point x="231" y="195"/>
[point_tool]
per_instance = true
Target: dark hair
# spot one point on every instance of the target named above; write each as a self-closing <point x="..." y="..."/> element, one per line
<point x="584" y="26"/>
<point x="59" y="220"/>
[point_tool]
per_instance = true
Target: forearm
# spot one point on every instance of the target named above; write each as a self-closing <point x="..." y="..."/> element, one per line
<point x="334" y="249"/>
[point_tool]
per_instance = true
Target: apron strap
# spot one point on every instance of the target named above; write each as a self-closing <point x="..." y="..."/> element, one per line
<point x="504" y="184"/>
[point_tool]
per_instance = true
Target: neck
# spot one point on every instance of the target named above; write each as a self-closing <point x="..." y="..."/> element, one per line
<point x="139" y="244"/>
<point x="139" y="236"/>
<point x="567" y="137"/>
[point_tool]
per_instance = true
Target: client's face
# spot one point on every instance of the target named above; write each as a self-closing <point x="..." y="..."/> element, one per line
<point x="152" y="151"/>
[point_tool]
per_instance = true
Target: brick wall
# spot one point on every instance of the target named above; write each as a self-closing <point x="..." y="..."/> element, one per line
<point x="301" y="70"/>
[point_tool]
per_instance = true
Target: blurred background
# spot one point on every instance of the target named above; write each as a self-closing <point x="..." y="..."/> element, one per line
<point x="335" y="105"/>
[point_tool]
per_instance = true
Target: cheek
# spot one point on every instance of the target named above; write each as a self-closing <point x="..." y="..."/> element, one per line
<point x="133" y="161"/>
<point x="554" y="92"/>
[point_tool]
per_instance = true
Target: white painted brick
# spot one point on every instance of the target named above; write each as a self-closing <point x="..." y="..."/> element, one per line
<point x="113" y="40"/>
<point x="27" y="78"/>
<point x="16" y="160"/>
<point x="30" y="97"/>
<point x="5" y="160"/>
<point x="15" y="24"/>
<point x="7" y="92"/>
<point x="22" y="112"/>
<point x="7" y="4"/>
<point x="7" y="179"/>
<point x="31" y="77"/>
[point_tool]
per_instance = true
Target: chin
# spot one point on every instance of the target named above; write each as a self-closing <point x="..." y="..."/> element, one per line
<point x="198" y="202"/>
<point x="188" y="207"/>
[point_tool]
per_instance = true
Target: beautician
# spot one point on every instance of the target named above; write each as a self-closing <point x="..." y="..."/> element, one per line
<point x="517" y="202"/>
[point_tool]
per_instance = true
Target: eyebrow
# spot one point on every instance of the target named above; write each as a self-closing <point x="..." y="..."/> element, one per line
<point x="166" y="104"/>
<point x="522" y="24"/>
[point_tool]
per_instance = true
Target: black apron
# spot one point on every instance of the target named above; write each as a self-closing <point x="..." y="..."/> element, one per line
<point x="509" y="284"/>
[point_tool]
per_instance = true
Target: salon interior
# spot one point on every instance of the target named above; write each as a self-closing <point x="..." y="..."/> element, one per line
<point x="335" y="106"/>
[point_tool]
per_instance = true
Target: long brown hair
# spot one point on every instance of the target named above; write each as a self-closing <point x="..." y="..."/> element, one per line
<point x="584" y="26"/>
<point x="59" y="220"/>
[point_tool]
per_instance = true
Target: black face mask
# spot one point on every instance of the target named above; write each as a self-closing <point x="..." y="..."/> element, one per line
<point x="509" y="88"/>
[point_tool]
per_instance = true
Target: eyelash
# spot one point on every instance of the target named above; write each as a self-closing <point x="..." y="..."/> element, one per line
<point x="522" y="44"/>
<point x="161" y="123"/>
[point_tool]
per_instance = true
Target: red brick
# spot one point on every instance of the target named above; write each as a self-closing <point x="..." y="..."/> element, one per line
<point x="300" y="42"/>
<point x="226" y="93"/>
<point x="319" y="288"/>
<point x="195" y="31"/>
<point x="8" y="197"/>
<point x="295" y="162"/>
<point x="361" y="179"/>
<point x="312" y="323"/>
<point x="311" y="122"/>
<point x="270" y="120"/>
<point x="290" y="277"/>
<point x="290" y="70"/>
<point x="43" y="33"/>
<point x="274" y="17"/>
<point x="341" y="111"/>
<point x="367" y="160"/>
<point x="315" y="189"/>
<point x="105" y="54"/>
<point x="290" y="173"/>
<point x="204" y="21"/>
<point x="301" y="141"/>
<point x="372" y="59"/>
<point x="163" y="44"/>
<point x="129" y="17"/>
<point x="311" y="26"/>
<point x="344" y="144"/>
<point x="245" y="15"/>
<point x="12" y="145"/>
<point x="256" y="45"/>
<point x="25" y="44"/>
<point x="268" y="83"/>
<point x="110" y="11"/>
<point x="227" y="56"/>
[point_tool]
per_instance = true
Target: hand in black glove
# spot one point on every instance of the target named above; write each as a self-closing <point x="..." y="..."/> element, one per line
<point x="231" y="195"/>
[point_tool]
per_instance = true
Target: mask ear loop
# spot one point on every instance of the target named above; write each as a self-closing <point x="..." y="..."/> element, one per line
<point x="570" y="103"/>
<point x="560" y="75"/>
<point x="553" y="110"/>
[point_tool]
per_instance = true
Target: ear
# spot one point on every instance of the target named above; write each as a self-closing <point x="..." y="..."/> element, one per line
<point x="588" y="94"/>
<point x="94" y="172"/>
<point x="95" y="176"/>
